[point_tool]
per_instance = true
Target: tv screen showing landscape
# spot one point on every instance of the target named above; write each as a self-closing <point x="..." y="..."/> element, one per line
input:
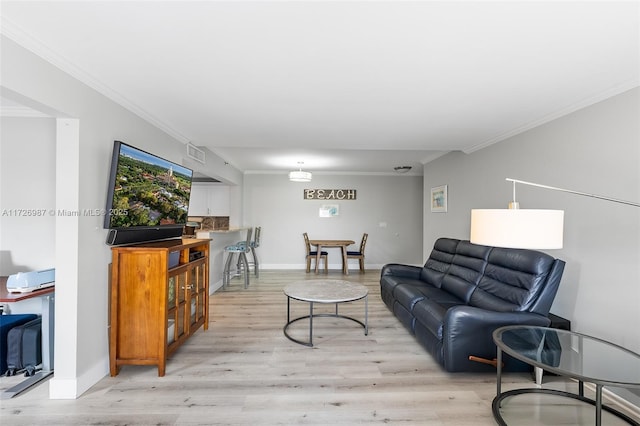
<point x="146" y="190"/>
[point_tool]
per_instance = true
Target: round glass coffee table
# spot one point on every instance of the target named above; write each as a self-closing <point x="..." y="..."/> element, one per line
<point x="326" y="292"/>
<point x="569" y="354"/>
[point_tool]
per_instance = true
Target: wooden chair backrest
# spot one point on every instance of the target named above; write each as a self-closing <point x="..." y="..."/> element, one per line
<point x="306" y="242"/>
<point x="363" y="242"/>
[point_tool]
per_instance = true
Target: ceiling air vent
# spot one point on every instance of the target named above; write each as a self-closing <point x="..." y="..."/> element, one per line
<point x="195" y="153"/>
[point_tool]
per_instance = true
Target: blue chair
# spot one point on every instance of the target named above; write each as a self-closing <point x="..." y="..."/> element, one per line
<point x="242" y="265"/>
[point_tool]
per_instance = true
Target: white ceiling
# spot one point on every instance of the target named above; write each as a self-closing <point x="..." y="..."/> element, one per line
<point x="342" y="86"/>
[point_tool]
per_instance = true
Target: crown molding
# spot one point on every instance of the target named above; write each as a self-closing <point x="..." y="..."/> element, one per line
<point x="21" y="112"/>
<point x="621" y="88"/>
<point x="27" y="41"/>
<point x="335" y="173"/>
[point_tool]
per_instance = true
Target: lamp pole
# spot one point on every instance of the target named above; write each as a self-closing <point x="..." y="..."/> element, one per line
<point x="601" y="197"/>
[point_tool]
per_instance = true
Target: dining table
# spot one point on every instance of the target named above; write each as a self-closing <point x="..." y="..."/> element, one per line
<point x="320" y="244"/>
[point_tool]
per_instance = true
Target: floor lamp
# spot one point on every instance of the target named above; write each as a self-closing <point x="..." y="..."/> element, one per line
<point x="524" y="228"/>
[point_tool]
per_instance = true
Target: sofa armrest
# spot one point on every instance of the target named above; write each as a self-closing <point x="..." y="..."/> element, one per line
<point x="468" y="330"/>
<point x="399" y="270"/>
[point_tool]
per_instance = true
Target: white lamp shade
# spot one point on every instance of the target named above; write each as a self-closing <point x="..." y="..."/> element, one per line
<point x="300" y="176"/>
<point x="517" y="228"/>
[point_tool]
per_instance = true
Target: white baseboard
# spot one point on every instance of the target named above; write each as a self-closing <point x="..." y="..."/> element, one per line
<point x="616" y="399"/>
<point x="72" y="388"/>
<point x="213" y="287"/>
<point x="298" y="266"/>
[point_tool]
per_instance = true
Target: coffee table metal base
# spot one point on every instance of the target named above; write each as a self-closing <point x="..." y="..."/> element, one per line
<point x="311" y="316"/>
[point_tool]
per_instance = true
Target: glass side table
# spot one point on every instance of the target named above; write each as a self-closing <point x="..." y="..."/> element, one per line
<point x="568" y="354"/>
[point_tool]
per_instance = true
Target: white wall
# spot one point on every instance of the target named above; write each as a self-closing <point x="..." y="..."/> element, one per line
<point x="277" y="205"/>
<point x="27" y="187"/>
<point x="594" y="150"/>
<point x="82" y="155"/>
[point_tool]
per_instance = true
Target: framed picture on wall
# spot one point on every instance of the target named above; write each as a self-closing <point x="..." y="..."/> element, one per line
<point x="329" y="210"/>
<point x="439" y="199"/>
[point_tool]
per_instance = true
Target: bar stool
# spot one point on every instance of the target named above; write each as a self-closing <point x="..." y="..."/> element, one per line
<point x="254" y="245"/>
<point x="242" y="265"/>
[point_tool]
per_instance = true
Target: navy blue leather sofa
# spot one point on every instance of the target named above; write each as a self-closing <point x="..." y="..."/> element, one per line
<point x="464" y="292"/>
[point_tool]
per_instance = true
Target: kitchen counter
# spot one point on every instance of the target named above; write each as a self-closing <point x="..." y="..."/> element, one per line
<point x="218" y="231"/>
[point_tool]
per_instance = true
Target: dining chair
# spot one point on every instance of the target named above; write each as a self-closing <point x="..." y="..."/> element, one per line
<point x="359" y="254"/>
<point x="313" y="255"/>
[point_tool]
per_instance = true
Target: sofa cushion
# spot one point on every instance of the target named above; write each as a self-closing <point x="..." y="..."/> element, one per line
<point x="388" y="283"/>
<point x="467" y="267"/>
<point x="430" y="313"/>
<point x="439" y="261"/>
<point x="512" y="280"/>
<point x="408" y="293"/>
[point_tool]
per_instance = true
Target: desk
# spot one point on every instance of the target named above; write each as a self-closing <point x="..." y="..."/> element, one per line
<point x="47" y="311"/>
<point x="320" y="244"/>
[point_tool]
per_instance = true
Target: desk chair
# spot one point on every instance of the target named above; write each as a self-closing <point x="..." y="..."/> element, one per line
<point x="313" y="255"/>
<point x="242" y="265"/>
<point x="359" y="254"/>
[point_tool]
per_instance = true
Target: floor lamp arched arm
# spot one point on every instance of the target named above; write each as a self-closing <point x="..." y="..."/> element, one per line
<point x="601" y="197"/>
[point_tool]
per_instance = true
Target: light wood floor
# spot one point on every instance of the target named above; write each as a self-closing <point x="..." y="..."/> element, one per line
<point x="244" y="371"/>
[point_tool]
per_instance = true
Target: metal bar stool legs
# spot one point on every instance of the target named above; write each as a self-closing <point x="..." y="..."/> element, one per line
<point x="245" y="269"/>
<point x="226" y="273"/>
<point x="256" y="264"/>
<point x="242" y="268"/>
<point x="242" y="264"/>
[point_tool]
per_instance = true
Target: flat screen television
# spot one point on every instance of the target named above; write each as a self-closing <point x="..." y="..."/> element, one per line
<point x="147" y="197"/>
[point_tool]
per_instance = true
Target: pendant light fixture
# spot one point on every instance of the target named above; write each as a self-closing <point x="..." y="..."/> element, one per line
<point x="299" y="175"/>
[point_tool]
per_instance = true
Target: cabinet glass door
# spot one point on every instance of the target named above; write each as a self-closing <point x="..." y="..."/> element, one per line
<point x="171" y="295"/>
<point x="194" y="294"/>
<point x="202" y="277"/>
<point x="198" y="292"/>
<point x="182" y="301"/>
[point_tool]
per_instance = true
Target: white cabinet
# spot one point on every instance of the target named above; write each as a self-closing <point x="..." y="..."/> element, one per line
<point x="209" y="199"/>
<point x="199" y="200"/>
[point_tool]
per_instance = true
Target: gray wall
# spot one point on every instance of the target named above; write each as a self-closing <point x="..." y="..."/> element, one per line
<point x="594" y="150"/>
<point x="277" y="205"/>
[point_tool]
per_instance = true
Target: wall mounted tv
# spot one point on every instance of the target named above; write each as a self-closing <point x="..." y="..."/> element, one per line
<point x="147" y="197"/>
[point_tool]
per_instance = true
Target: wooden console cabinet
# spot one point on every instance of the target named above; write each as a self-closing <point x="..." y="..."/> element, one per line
<point x="159" y="298"/>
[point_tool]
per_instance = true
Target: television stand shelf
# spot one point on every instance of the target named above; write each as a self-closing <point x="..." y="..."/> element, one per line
<point x="159" y="298"/>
